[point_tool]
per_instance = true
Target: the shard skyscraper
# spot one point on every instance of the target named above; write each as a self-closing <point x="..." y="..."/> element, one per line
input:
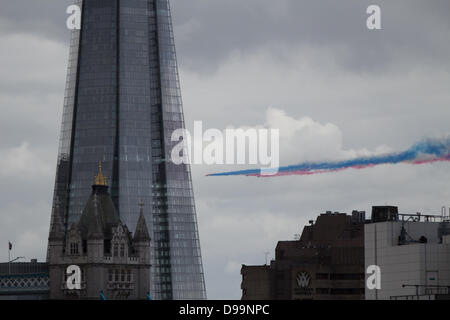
<point x="122" y="102"/>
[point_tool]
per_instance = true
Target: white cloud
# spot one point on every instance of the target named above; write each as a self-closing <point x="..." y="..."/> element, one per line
<point x="370" y="109"/>
<point x="304" y="139"/>
<point x="325" y="112"/>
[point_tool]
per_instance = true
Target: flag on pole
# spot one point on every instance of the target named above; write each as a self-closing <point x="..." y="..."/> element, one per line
<point x="10" y="246"/>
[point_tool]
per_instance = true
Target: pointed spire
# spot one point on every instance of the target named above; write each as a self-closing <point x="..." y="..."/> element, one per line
<point x="57" y="227"/>
<point x="100" y="179"/>
<point x="99" y="214"/>
<point x="141" y="207"/>
<point x="141" y="233"/>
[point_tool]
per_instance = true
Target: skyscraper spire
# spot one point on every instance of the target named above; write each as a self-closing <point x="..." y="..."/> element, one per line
<point x="122" y="104"/>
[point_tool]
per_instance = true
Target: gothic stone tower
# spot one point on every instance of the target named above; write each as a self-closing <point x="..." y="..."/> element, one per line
<point x="112" y="262"/>
<point x="122" y="104"/>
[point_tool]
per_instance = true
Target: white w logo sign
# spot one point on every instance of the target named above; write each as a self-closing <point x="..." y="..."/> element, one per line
<point x="303" y="279"/>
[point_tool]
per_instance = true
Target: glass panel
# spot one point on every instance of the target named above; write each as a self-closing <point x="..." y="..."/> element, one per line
<point x="122" y="103"/>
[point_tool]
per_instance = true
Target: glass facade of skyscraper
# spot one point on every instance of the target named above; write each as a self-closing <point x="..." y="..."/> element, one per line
<point x="122" y="103"/>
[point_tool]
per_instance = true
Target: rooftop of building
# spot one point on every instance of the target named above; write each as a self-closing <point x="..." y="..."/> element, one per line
<point x="391" y="213"/>
<point x="100" y="216"/>
<point x="331" y="235"/>
<point x="333" y="229"/>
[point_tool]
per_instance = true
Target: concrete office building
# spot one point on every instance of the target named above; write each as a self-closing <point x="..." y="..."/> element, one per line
<point x="413" y="253"/>
<point x="327" y="262"/>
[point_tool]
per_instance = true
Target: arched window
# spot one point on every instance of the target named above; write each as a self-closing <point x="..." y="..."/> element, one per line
<point x="116" y="250"/>
<point x="74" y="248"/>
<point x="122" y="250"/>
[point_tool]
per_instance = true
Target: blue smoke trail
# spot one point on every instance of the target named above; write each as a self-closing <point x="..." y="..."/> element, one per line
<point x="426" y="151"/>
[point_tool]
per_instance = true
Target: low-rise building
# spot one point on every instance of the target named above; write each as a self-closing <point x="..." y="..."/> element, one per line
<point x="327" y="262"/>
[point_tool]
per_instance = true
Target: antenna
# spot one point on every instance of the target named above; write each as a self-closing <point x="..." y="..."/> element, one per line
<point x="266" y="254"/>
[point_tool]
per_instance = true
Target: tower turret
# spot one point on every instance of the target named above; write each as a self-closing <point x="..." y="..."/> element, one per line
<point x="56" y="236"/>
<point x="141" y="243"/>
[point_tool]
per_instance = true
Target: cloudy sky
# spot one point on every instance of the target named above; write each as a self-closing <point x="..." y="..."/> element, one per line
<point x="312" y="68"/>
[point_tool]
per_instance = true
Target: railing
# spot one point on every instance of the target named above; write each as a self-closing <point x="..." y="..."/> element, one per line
<point x="24" y="282"/>
<point x="110" y="259"/>
<point x="419" y="217"/>
<point x="413" y="297"/>
<point x="120" y="285"/>
<point x="437" y="290"/>
<point x="429" y="293"/>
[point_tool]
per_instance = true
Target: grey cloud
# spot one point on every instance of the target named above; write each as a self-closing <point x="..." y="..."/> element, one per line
<point x="44" y="18"/>
<point x="207" y="32"/>
<point x="412" y="30"/>
<point x="309" y="58"/>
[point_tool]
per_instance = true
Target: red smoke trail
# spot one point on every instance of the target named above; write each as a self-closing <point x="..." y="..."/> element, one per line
<point x="357" y="167"/>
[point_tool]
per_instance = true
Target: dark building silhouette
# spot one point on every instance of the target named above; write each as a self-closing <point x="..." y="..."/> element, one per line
<point x="122" y="103"/>
<point x="327" y="262"/>
<point x="384" y="213"/>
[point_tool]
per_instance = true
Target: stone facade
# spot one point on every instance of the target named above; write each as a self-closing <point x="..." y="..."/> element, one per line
<point x="113" y="263"/>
